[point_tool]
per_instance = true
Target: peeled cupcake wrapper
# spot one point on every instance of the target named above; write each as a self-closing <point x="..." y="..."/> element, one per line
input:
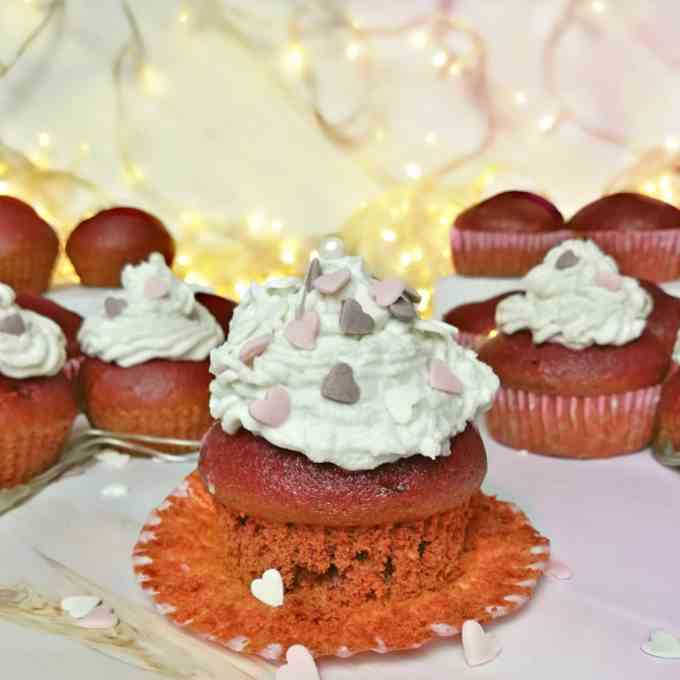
<point x="652" y="255"/>
<point x="501" y="563"/>
<point x="574" y="427"/>
<point x="486" y="253"/>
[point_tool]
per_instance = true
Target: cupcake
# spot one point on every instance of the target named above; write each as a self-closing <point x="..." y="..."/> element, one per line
<point x="102" y="245"/>
<point x="664" y="320"/>
<point x="146" y="368"/>
<point x="640" y="232"/>
<point x="36" y="400"/>
<point x="28" y="247"/>
<point x="667" y="434"/>
<point x="475" y="321"/>
<point x="505" y="235"/>
<point x="337" y="497"/>
<point x="580" y="371"/>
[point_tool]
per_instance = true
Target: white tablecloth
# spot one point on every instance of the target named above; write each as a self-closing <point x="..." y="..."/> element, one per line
<point x="614" y="522"/>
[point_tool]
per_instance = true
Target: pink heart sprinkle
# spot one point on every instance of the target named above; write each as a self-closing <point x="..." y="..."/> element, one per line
<point x="300" y="666"/>
<point x="443" y="379"/>
<point x="99" y="618"/>
<point x="387" y="292"/>
<point x="609" y="280"/>
<point x="273" y="410"/>
<point x="328" y="284"/>
<point x="479" y="647"/>
<point x="155" y="288"/>
<point x="253" y="348"/>
<point x="302" y="333"/>
<point x="558" y="570"/>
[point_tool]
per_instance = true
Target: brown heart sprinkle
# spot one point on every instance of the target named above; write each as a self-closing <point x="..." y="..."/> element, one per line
<point x="114" y="306"/>
<point x="412" y="294"/>
<point x="353" y="319"/>
<point x="403" y="310"/>
<point x="12" y="325"/>
<point x="313" y="273"/>
<point x="339" y="385"/>
<point x="566" y="260"/>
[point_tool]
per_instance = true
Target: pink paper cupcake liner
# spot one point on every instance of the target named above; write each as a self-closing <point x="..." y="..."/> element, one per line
<point x="574" y="427"/>
<point x="651" y="255"/>
<point x="483" y="253"/>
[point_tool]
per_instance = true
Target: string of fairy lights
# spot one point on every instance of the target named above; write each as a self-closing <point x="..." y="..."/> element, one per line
<point x="405" y="229"/>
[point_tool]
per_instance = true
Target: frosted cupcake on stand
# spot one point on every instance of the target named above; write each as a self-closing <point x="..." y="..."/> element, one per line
<point x="338" y="496"/>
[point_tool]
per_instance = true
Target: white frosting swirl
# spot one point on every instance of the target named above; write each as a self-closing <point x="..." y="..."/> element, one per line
<point x="398" y="412"/>
<point x="171" y="326"/>
<point x="571" y="306"/>
<point x="39" y="350"/>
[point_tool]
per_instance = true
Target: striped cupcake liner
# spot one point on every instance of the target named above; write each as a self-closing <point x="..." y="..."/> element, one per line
<point x="574" y="427"/>
<point x="651" y="255"/>
<point x="480" y="253"/>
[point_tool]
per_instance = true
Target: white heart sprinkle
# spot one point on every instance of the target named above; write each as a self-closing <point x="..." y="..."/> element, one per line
<point x="79" y="606"/>
<point x="100" y="618"/>
<point x="479" y="647"/>
<point x="114" y="491"/>
<point x="662" y="644"/>
<point x="269" y="588"/>
<point x="113" y="459"/>
<point x="300" y="665"/>
<point x="558" y="570"/>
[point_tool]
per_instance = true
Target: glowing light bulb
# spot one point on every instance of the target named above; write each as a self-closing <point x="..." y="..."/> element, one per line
<point x="431" y="138"/>
<point x="545" y="123"/>
<point x="332" y="246"/>
<point x="413" y="170"/>
<point x="388" y="235"/>
<point x="44" y="139"/>
<point x="598" y="6"/>
<point x="521" y="98"/>
<point x="183" y="17"/>
<point x="439" y="58"/>
<point x="352" y="51"/>
<point x="418" y="39"/>
<point x="294" y="58"/>
<point x="672" y="143"/>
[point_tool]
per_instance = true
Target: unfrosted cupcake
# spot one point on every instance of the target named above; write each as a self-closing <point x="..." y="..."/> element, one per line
<point x="640" y="232"/>
<point x="37" y="406"/>
<point x="146" y="369"/>
<point x="581" y="375"/>
<point x="505" y="235"/>
<point x="345" y="459"/>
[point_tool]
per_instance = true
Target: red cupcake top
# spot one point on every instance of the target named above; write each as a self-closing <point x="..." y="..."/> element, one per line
<point x="21" y="225"/>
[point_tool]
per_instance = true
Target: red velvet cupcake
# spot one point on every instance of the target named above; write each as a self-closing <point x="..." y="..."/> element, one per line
<point x="338" y="497"/>
<point x="36" y="399"/>
<point x="505" y="235"/>
<point x="146" y="368"/>
<point x="641" y="233"/>
<point x="28" y="247"/>
<point x="580" y="374"/>
<point x="101" y="246"/>
<point x="475" y="321"/>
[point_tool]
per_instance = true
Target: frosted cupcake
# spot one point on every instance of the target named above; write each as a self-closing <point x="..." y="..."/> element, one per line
<point x="36" y="400"/>
<point x="581" y="374"/>
<point x="345" y="463"/>
<point x="146" y="368"/>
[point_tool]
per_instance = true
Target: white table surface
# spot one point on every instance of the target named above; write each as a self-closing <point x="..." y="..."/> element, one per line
<point x="614" y="522"/>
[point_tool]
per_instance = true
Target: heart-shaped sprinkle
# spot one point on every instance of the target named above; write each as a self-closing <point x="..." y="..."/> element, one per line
<point x="403" y="310"/>
<point x="662" y="644"/>
<point x="313" y="273"/>
<point x="253" y="348"/>
<point x="113" y="459"/>
<point x="101" y="618"/>
<point x="339" y="385"/>
<point x="478" y="647"/>
<point x="412" y="294"/>
<point x="566" y="260"/>
<point x="558" y="570"/>
<point x="328" y="284"/>
<point x="443" y="379"/>
<point x="353" y="319"/>
<point x="609" y="280"/>
<point x="12" y="325"/>
<point x="114" y="307"/>
<point x="303" y="332"/>
<point x="79" y="606"/>
<point x="273" y="410"/>
<point x="269" y="588"/>
<point x="387" y="292"/>
<point x="300" y="665"/>
<point x="155" y="288"/>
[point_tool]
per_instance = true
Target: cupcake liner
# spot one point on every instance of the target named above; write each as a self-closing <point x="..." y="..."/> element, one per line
<point x="574" y="427"/>
<point x="177" y="422"/>
<point x="651" y="255"/>
<point x="486" y="253"/>
<point x="29" y="271"/>
<point x="178" y="562"/>
<point x="25" y="454"/>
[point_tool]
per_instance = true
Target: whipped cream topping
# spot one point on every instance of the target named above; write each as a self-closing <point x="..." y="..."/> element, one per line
<point x="31" y="345"/>
<point x="340" y="368"/>
<point x="576" y="297"/>
<point x="154" y="316"/>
